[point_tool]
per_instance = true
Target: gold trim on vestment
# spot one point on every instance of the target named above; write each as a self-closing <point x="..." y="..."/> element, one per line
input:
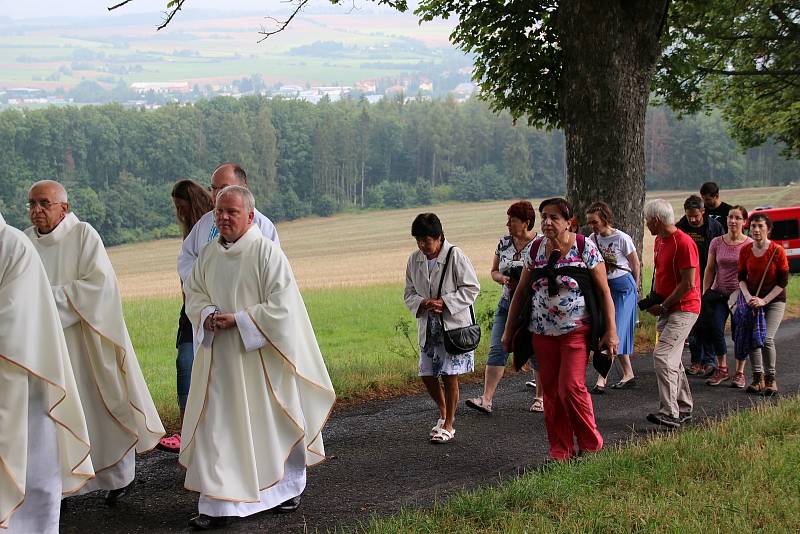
<point x="73" y="469"/>
<point x="20" y="490"/>
<point x="283" y="464"/>
<point x="120" y="366"/>
<point x="300" y="376"/>
<point x="202" y="410"/>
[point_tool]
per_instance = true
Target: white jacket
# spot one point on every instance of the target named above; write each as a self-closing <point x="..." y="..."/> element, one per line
<point x="459" y="291"/>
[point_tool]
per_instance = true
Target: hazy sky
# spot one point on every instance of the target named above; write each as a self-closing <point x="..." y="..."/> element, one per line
<point x="89" y="8"/>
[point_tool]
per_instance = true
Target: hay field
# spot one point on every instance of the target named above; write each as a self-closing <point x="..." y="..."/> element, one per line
<point x="351" y="250"/>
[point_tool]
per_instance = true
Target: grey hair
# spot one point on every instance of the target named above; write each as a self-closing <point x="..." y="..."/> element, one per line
<point x="61" y="193"/>
<point x="659" y="209"/>
<point x="247" y="197"/>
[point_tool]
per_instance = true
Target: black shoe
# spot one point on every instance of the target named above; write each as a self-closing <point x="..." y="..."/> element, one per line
<point x="113" y="496"/>
<point x="206" y="522"/>
<point x="625" y="384"/>
<point x="288" y="506"/>
<point x="685" y="417"/>
<point x="664" y="420"/>
<point x="597" y="390"/>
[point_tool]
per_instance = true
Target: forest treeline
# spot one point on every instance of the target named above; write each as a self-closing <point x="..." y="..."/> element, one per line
<point x="119" y="164"/>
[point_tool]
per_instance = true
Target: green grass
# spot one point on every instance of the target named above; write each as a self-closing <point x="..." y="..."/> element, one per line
<point x="736" y="475"/>
<point x="360" y="332"/>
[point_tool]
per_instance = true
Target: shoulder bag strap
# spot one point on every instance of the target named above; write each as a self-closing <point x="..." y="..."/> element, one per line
<point x="444" y="271"/>
<point x="763" y="276"/>
<point x="441" y="281"/>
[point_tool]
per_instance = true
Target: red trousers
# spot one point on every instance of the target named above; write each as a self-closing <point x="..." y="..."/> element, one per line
<point x="568" y="411"/>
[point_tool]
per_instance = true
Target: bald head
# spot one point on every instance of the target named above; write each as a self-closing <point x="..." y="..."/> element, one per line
<point x="47" y="205"/>
<point x="225" y="175"/>
<point x="51" y="187"/>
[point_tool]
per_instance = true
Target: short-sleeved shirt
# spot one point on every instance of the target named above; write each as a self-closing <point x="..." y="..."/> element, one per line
<point x="555" y="316"/>
<point x="615" y="249"/>
<point x="509" y="257"/>
<point x="672" y="255"/>
<point x="726" y="279"/>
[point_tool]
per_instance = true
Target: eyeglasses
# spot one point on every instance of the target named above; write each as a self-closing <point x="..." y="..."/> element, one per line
<point x="44" y="204"/>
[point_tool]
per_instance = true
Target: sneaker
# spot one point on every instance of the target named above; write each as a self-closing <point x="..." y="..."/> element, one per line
<point x="720" y="375"/>
<point x="694" y="369"/>
<point x="685" y="417"/>
<point x="664" y="420"/>
<point x="738" y="381"/>
<point x="708" y="371"/>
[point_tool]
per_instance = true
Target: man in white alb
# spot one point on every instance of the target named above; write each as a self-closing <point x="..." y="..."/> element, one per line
<point x="120" y="413"/>
<point x="260" y="390"/>
<point x="44" y="443"/>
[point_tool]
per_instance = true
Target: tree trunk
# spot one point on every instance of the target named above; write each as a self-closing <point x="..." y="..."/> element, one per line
<point x="609" y="61"/>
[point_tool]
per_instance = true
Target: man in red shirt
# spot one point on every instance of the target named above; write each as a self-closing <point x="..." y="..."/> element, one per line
<point x="677" y="284"/>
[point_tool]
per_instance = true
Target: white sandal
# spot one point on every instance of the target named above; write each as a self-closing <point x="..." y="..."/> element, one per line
<point x="538" y="405"/>
<point x="443" y="436"/>
<point x="437" y="428"/>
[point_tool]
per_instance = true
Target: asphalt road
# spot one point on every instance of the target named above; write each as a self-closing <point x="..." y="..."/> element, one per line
<point x="379" y="458"/>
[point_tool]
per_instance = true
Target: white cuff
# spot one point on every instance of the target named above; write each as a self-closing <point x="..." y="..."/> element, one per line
<point x="252" y="337"/>
<point x="201" y="335"/>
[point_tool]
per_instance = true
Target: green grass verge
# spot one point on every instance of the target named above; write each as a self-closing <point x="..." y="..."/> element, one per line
<point x="361" y="331"/>
<point x="736" y="475"/>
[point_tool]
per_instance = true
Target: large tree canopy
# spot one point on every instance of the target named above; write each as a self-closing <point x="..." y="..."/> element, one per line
<point x="742" y="56"/>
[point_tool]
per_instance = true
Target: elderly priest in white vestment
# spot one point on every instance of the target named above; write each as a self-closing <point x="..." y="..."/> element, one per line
<point x="260" y="390"/>
<point x="120" y="413"/>
<point x="44" y="443"/>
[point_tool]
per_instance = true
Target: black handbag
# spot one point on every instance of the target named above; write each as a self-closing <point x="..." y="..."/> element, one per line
<point x="464" y="339"/>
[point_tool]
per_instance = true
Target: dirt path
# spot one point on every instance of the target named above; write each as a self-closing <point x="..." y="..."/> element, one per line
<point x="380" y="460"/>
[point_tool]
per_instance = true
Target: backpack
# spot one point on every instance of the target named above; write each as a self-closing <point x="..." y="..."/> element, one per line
<point x="589" y="290"/>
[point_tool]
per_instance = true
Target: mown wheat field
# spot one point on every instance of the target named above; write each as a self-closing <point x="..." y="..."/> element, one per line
<point x="352" y="250"/>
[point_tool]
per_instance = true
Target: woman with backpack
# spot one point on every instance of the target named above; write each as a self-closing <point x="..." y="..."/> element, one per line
<point x="571" y="311"/>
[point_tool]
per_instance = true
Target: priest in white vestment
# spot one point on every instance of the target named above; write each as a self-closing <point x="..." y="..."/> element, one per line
<point x="120" y="413"/>
<point x="204" y="232"/>
<point x="44" y="443"/>
<point x="260" y="391"/>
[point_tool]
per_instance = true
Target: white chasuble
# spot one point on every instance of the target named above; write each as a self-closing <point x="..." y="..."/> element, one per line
<point x="44" y="442"/>
<point x="120" y="413"/>
<point x="249" y="409"/>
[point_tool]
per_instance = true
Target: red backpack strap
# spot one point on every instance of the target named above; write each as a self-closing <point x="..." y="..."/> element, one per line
<point x="534" y="250"/>
<point x="581" y="240"/>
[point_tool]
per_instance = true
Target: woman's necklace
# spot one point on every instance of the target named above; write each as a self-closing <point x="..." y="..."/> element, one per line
<point x="562" y="247"/>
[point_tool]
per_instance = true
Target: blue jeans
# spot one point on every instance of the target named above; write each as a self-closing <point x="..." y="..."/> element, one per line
<point x="700" y="349"/>
<point x="183" y="364"/>
<point x="497" y="355"/>
<point x="716" y="337"/>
